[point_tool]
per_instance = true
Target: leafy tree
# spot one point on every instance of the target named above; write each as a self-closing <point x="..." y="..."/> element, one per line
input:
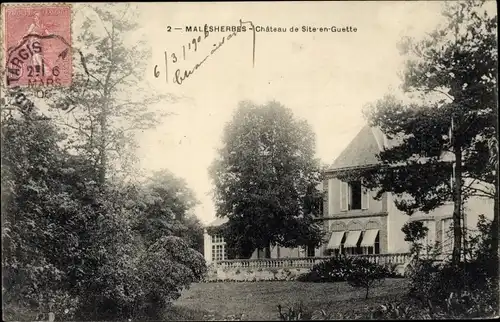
<point x="69" y="246"/>
<point x="364" y="274"/>
<point x="43" y="217"/>
<point x="162" y="207"/>
<point x="168" y="267"/>
<point x="265" y="180"/>
<point x="453" y="76"/>
<point x="415" y="232"/>
<point x="193" y="233"/>
<point x="109" y="101"/>
<point x="68" y="234"/>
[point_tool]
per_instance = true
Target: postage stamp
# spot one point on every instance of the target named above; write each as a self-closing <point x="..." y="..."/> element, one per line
<point x="38" y="45"/>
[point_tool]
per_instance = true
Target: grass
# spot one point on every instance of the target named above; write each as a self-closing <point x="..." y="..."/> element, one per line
<point x="259" y="300"/>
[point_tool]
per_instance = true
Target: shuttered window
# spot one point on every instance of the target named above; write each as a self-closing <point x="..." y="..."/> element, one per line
<point x="365" y="197"/>
<point x="331" y="190"/>
<point x="344" y="195"/>
<point x="353" y="196"/>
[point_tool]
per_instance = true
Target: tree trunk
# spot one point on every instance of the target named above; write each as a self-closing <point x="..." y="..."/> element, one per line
<point x="457" y="207"/>
<point x="104" y="115"/>
<point x="102" y="146"/>
<point x="367" y="290"/>
<point x="495" y="225"/>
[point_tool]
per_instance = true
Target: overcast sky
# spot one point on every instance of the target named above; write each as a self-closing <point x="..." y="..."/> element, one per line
<point x="325" y="78"/>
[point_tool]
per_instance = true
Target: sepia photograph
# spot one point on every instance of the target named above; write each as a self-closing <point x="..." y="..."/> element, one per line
<point x="260" y="161"/>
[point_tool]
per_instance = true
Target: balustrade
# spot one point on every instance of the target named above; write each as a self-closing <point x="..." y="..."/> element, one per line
<point x="307" y="262"/>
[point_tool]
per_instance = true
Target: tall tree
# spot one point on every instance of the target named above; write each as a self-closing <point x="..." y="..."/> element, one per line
<point x="454" y="74"/>
<point x="265" y="177"/>
<point x="69" y="247"/>
<point x="163" y="207"/>
<point x="109" y="101"/>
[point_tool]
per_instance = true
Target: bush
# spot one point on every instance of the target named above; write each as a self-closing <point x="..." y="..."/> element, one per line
<point x="391" y="271"/>
<point x="168" y="267"/>
<point x="467" y="289"/>
<point x="399" y="311"/>
<point x="364" y="274"/>
<point x="337" y="269"/>
<point x="334" y="269"/>
<point x="296" y="312"/>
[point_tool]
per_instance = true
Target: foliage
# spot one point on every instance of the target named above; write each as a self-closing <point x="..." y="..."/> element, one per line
<point x="265" y="180"/>
<point x="479" y="245"/>
<point x="297" y="312"/>
<point x="41" y="220"/>
<point x="167" y="267"/>
<point x="358" y="272"/>
<point x="391" y="271"/>
<point x="109" y="98"/>
<point x="463" y="305"/>
<point x="332" y="270"/>
<point x="450" y="108"/>
<point x="399" y="310"/>
<point x="415" y="232"/>
<point x="469" y="289"/>
<point x="70" y="247"/>
<point x="365" y="274"/>
<point x="162" y="207"/>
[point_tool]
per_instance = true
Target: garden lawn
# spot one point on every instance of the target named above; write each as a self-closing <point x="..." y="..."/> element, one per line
<point x="259" y="300"/>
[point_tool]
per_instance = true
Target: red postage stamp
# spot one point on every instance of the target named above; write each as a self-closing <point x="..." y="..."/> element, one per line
<point x="38" y="45"/>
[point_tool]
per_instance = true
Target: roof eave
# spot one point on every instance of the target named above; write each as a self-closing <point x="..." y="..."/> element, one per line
<point x="356" y="167"/>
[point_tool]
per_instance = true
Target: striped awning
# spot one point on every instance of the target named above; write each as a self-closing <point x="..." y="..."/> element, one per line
<point x="369" y="238"/>
<point x="335" y="240"/>
<point x="352" y="238"/>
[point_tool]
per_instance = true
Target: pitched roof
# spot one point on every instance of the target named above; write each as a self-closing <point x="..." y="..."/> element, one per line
<point x="218" y="222"/>
<point x="362" y="150"/>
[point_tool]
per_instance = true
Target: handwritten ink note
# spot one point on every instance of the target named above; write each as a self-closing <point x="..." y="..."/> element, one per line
<point x="195" y="45"/>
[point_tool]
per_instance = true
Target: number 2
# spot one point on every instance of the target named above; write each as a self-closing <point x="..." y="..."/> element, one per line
<point x="169" y="28"/>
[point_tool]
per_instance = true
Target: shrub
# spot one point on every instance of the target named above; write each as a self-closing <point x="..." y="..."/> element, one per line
<point x="364" y="274"/>
<point x="391" y="271"/>
<point x="334" y="269"/>
<point x="467" y="289"/>
<point x="337" y="269"/>
<point x="168" y="267"/>
<point x="296" y="312"/>
<point x="400" y="310"/>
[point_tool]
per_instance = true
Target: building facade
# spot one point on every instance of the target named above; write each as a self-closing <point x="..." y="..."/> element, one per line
<point x="356" y="222"/>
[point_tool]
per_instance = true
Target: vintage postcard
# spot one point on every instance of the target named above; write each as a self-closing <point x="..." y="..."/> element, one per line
<point x="302" y="160"/>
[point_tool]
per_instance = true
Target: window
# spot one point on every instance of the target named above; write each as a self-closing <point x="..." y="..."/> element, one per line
<point x="219" y="251"/>
<point x="216" y="239"/>
<point x="430" y="238"/>
<point x="352" y="244"/>
<point x="353" y="196"/>
<point x="371" y="242"/>
<point x="447" y="235"/>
